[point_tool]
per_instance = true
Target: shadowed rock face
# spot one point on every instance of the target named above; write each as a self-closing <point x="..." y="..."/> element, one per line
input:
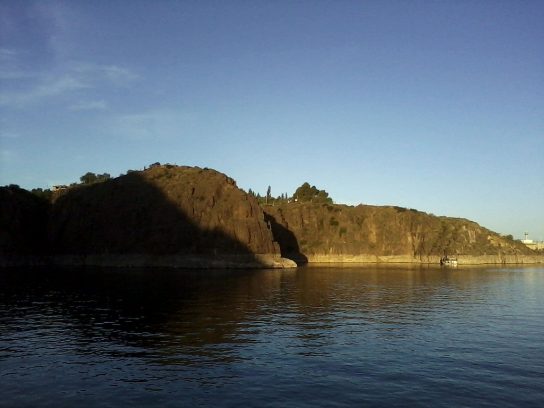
<point x="23" y="222"/>
<point x="306" y="229"/>
<point x="163" y="210"/>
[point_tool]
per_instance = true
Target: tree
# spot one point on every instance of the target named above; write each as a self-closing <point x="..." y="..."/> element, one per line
<point x="88" y="178"/>
<point x="91" y="178"/>
<point x="103" y="177"/>
<point x="268" y="194"/>
<point x="309" y="193"/>
<point x="41" y="193"/>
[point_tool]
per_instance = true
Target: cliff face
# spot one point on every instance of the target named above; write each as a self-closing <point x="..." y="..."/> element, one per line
<point x="164" y="210"/>
<point x="318" y="232"/>
<point x="23" y="222"/>
<point x="187" y="216"/>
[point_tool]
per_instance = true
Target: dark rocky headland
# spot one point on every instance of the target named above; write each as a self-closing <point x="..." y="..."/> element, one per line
<point x="191" y="217"/>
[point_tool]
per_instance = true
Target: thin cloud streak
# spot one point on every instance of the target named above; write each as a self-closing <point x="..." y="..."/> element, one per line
<point x="79" y="76"/>
<point x="44" y="91"/>
<point x="89" y="105"/>
<point x="156" y="124"/>
<point x="110" y="73"/>
<point x="7" y="155"/>
<point x="9" y="65"/>
<point x="9" y="135"/>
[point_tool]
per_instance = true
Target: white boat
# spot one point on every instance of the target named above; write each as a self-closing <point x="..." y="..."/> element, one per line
<point x="447" y="261"/>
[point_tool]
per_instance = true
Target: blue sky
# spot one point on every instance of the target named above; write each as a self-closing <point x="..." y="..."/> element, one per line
<point x="433" y="105"/>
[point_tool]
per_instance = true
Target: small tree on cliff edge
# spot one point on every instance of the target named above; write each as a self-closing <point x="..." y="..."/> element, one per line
<point x="268" y="194"/>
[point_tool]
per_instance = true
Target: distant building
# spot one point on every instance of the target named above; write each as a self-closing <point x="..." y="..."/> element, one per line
<point x="529" y="243"/>
<point x="59" y="187"/>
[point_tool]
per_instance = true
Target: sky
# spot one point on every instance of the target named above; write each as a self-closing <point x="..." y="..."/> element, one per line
<point x="432" y="105"/>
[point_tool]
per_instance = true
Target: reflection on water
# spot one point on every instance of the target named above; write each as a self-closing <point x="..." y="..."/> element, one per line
<point x="314" y="336"/>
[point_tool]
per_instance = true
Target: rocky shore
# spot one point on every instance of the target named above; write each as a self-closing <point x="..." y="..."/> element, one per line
<point x="257" y="261"/>
<point x="430" y="260"/>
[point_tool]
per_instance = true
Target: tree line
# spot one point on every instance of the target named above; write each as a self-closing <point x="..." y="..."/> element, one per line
<point x="87" y="179"/>
<point x="304" y="194"/>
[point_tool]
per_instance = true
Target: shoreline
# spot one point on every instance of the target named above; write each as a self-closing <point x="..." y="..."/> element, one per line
<point x="255" y="261"/>
<point x="499" y="259"/>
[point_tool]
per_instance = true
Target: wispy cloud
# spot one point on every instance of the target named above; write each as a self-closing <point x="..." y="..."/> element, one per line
<point x="7" y="155"/>
<point x="139" y="126"/>
<point x="7" y="74"/>
<point x="9" y="135"/>
<point x="48" y="89"/>
<point x="57" y="31"/>
<point x="110" y="73"/>
<point x="151" y="125"/>
<point x="89" y="105"/>
<point x="7" y="55"/>
<point x="60" y="22"/>
<point x="9" y="65"/>
<point x="74" y="77"/>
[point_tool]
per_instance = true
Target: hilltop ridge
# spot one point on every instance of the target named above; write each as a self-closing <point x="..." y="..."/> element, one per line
<point x="165" y="215"/>
<point x="339" y="233"/>
<point x="193" y="217"/>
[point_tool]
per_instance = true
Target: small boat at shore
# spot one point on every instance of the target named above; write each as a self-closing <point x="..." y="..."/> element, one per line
<point x="448" y="261"/>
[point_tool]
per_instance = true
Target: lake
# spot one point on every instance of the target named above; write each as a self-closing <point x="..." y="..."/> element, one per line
<point x="329" y="337"/>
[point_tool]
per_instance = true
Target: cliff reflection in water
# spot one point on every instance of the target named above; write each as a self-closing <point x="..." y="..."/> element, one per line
<point x="361" y="332"/>
<point x="173" y="312"/>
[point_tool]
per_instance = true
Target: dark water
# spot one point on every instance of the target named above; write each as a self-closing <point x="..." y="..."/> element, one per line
<point x="328" y="337"/>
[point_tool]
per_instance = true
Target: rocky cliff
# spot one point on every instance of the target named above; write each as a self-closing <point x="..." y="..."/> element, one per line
<point x="23" y="222"/>
<point x="192" y="217"/>
<point x="163" y="210"/>
<point x="339" y="233"/>
<point x="166" y="215"/>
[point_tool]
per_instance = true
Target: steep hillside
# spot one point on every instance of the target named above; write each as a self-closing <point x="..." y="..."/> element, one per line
<point x="318" y="232"/>
<point x="187" y="216"/>
<point x="163" y="210"/>
<point x="23" y="221"/>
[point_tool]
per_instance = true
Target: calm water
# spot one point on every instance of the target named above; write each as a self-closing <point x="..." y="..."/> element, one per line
<point x="331" y="337"/>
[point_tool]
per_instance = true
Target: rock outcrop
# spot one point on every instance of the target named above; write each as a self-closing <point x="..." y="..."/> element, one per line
<point x="192" y="217"/>
<point x="339" y="233"/>
<point x="166" y="215"/>
<point x="163" y="210"/>
<point x="23" y="222"/>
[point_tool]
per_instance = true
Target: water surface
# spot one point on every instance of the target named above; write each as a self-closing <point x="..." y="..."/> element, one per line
<point x="331" y="337"/>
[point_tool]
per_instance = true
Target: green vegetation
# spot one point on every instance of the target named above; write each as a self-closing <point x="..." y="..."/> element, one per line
<point x="303" y="194"/>
<point x="44" y="194"/>
<point x="268" y="199"/>
<point x="307" y="193"/>
<point x="91" y="178"/>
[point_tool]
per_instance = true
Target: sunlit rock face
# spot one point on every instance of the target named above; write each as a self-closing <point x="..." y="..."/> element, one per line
<point x="363" y="233"/>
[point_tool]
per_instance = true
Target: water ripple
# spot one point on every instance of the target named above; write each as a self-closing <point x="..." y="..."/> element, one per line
<point x="314" y="337"/>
